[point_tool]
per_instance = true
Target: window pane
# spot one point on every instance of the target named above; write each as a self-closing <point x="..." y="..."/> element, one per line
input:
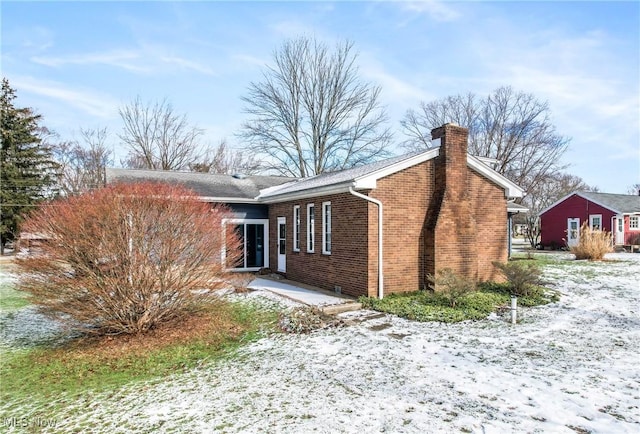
<point x="296" y="227"/>
<point x="311" y="218"/>
<point x="239" y="230"/>
<point x="255" y="245"/>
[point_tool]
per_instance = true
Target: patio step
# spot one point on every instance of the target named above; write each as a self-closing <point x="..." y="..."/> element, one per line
<point x="334" y="309"/>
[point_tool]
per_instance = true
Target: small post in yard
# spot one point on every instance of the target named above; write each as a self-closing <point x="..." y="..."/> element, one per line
<point x="514" y="308"/>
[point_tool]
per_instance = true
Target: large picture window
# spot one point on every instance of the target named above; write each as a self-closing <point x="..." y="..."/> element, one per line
<point x="296" y="228"/>
<point x="311" y="227"/>
<point x="326" y="228"/>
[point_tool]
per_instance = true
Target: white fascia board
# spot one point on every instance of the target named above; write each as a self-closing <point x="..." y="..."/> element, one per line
<point x="600" y="204"/>
<point x="556" y="203"/>
<point x="510" y="188"/>
<point x="517" y="210"/>
<point x="214" y="199"/>
<point x="368" y="181"/>
<point x="342" y="187"/>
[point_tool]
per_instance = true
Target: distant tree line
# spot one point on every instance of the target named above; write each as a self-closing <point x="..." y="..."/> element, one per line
<point x="310" y="113"/>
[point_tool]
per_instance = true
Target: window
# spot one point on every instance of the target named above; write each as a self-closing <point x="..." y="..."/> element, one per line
<point x="326" y="228"/>
<point x="310" y="227"/>
<point x="633" y="222"/>
<point x="595" y="221"/>
<point x="253" y="235"/>
<point x="296" y="228"/>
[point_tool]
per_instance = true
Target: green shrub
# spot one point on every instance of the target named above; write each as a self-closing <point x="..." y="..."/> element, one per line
<point x="593" y="244"/>
<point x="475" y="305"/>
<point x="450" y="285"/>
<point x="523" y="277"/>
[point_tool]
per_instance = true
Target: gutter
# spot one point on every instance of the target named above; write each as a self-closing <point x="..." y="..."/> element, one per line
<point x="379" y="204"/>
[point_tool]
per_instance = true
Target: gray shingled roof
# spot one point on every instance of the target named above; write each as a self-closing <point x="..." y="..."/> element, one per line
<point x="333" y="178"/>
<point x="622" y="203"/>
<point x="204" y="184"/>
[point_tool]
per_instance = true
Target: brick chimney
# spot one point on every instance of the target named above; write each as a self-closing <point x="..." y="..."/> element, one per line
<point x="452" y="227"/>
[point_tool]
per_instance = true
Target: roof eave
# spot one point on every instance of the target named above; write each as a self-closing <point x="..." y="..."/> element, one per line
<point x="342" y="187"/>
<point x="218" y="199"/>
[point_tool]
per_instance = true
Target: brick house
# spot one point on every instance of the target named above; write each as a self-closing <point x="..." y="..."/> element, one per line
<point x="440" y="208"/>
<point x="619" y="214"/>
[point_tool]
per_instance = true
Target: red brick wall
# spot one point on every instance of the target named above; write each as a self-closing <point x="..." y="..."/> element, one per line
<point x="347" y="266"/>
<point x="489" y="207"/>
<point x="405" y="196"/>
<point x="453" y="236"/>
<point x="436" y="215"/>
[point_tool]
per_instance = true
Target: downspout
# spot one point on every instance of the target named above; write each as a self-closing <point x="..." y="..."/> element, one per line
<point x="509" y="231"/>
<point x="379" y="204"/>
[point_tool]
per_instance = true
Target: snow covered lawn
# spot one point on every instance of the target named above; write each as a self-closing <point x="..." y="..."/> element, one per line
<point x="573" y="366"/>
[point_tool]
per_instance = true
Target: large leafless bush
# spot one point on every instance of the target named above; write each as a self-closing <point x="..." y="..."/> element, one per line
<point x="127" y="257"/>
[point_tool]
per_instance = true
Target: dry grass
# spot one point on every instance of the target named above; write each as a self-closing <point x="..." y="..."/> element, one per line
<point x="103" y="362"/>
<point x="210" y="327"/>
<point x="593" y="244"/>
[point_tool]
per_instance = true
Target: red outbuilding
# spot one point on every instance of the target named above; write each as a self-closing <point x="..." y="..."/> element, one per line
<point x="617" y="213"/>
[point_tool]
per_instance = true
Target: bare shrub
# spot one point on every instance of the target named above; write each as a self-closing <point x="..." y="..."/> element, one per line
<point x="523" y="277"/>
<point x="305" y="320"/>
<point x="593" y="244"/>
<point x="451" y="285"/>
<point x="127" y="257"/>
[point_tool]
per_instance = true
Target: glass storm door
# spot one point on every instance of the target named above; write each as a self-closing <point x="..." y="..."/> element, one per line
<point x="282" y="245"/>
<point x="620" y="229"/>
<point x="573" y="232"/>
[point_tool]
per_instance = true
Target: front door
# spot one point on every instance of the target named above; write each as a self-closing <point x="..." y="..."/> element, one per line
<point x="620" y="229"/>
<point x="573" y="232"/>
<point x="282" y="245"/>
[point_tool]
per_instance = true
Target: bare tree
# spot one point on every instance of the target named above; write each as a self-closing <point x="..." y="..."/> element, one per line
<point x="311" y="113"/>
<point x="82" y="165"/>
<point x="157" y="137"/>
<point x="634" y="189"/>
<point x="513" y="127"/>
<point x="224" y="160"/>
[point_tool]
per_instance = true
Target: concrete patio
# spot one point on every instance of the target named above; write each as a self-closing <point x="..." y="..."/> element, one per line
<point x="327" y="301"/>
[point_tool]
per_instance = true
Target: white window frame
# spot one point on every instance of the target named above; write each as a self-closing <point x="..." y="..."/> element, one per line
<point x="311" y="227"/>
<point x="637" y="225"/>
<point x="326" y="228"/>
<point x="592" y="217"/>
<point x="296" y="228"/>
<point x="236" y="221"/>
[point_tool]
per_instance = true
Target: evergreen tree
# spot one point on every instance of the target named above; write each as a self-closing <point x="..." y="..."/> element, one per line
<point x="26" y="166"/>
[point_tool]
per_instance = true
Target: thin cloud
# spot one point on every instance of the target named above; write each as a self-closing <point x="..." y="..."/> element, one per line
<point x="92" y="103"/>
<point x="124" y="59"/>
<point x="142" y="61"/>
<point x="187" y="64"/>
<point x="436" y="10"/>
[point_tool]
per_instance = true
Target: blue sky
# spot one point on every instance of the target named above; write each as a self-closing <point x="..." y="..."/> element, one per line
<point x="77" y="62"/>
